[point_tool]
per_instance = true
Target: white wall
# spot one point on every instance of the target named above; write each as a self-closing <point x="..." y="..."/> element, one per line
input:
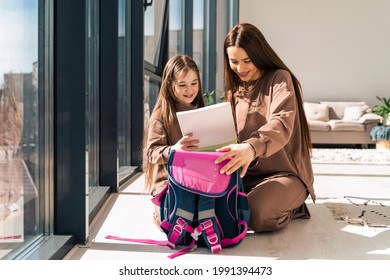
<point x="338" y="49"/>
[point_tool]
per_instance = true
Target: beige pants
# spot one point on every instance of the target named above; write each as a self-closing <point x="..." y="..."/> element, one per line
<point x="276" y="201"/>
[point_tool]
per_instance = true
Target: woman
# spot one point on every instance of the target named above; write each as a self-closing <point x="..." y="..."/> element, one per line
<point x="274" y="140"/>
<point x="180" y="90"/>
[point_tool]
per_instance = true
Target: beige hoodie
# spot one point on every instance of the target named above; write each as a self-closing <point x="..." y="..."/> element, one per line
<point x="267" y="117"/>
<point x="158" y="146"/>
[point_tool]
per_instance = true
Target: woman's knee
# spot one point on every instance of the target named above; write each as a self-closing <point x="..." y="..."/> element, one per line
<point x="272" y="202"/>
<point x="267" y="217"/>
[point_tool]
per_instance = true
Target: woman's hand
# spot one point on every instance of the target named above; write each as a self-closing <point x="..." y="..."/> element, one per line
<point x="186" y="143"/>
<point x="241" y="154"/>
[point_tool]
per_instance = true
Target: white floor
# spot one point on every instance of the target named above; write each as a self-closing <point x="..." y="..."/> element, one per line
<point x="128" y="214"/>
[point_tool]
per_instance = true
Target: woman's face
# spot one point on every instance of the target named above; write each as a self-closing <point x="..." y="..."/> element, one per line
<point x="242" y="65"/>
<point x="186" y="87"/>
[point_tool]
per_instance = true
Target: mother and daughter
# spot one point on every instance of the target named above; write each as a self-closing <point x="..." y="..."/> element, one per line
<point x="273" y="149"/>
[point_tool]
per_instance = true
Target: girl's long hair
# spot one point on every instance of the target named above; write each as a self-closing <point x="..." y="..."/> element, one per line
<point x="165" y="108"/>
<point x="249" y="38"/>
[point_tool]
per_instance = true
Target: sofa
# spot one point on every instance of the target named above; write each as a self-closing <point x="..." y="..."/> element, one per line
<point x="339" y="122"/>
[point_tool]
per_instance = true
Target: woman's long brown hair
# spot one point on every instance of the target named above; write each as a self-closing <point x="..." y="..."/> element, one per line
<point x="249" y="38"/>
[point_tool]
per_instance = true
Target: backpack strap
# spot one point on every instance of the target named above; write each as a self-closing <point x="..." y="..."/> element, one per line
<point x="243" y="228"/>
<point x="180" y="220"/>
<point x="208" y="224"/>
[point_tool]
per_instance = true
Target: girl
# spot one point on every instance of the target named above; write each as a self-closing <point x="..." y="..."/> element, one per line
<point x="180" y="91"/>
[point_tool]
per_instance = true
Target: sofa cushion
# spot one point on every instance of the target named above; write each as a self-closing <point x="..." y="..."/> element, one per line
<point x="370" y="118"/>
<point x="316" y="111"/>
<point x="353" y="113"/>
<point x="316" y="125"/>
<point x="337" y="108"/>
<point x="337" y="125"/>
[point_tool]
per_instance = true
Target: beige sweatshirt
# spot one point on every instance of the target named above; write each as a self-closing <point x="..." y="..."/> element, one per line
<point x="267" y="117"/>
<point x="158" y="146"/>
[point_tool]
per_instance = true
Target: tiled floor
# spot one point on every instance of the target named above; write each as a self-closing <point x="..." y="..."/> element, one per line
<point x="128" y="214"/>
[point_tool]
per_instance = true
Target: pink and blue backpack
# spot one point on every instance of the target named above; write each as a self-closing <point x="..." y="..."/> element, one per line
<point x="200" y="206"/>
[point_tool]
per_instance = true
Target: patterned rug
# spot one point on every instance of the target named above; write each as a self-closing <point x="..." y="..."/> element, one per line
<point x="354" y="156"/>
<point x="361" y="211"/>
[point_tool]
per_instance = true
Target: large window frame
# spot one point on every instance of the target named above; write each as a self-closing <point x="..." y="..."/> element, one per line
<point x="67" y="205"/>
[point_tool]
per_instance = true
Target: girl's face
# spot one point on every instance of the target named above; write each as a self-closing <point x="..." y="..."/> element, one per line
<point x="242" y="65"/>
<point x="186" y="87"/>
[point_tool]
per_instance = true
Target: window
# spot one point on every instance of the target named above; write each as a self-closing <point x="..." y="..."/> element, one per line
<point x="124" y="90"/>
<point x="154" y="27"/>
<point x="175" y="27"/>
<point x="92" y="95"/>
<point x="198" y="34"/>
<point x="25" y="142"/>
<point x="154" y="16"/>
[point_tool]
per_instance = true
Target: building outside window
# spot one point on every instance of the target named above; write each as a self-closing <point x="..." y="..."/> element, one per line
<point x="25" y="54"/>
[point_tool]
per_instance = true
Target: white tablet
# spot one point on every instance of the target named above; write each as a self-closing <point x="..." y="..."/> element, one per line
<point x="213" y="125"/>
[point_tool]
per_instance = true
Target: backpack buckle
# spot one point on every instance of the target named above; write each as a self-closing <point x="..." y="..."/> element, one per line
<point x="206" y="224"/>
<point x="178" y="227"/>
<point x="201" y="227"/>
<point x="216" y="248"/>
<point x="196" y="233"/>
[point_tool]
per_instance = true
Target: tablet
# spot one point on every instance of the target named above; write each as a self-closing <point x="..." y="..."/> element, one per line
<point x="212" y="125"/>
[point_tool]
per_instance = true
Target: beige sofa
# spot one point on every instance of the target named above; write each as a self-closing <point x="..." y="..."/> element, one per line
<point x="338" y="122"/>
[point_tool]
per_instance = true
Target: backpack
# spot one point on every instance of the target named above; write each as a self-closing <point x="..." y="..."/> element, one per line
<point x="199" y="206"/>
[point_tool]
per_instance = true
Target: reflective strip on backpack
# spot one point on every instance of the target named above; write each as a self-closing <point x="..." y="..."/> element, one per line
<point x="185" y="214"/>
<point x="206" y="214"/>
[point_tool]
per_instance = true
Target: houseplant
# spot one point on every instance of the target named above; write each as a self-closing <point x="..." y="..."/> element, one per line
<point x="210" y="96"/>
<point x="383" y="110"/>
<point x="381" y="133"/>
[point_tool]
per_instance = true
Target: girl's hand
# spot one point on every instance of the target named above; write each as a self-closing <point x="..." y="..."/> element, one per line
<point x="241" y="156"/>
<point x="186" y="143"/>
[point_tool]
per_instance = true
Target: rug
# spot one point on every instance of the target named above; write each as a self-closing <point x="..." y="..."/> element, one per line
<point x="352" y="156"/>
<point x="360" y="211"/>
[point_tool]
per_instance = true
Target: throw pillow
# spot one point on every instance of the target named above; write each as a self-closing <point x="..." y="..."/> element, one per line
<point x="337" y="108"/>
<point x="353" y="113"/>
<point x="316" y="111"/>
